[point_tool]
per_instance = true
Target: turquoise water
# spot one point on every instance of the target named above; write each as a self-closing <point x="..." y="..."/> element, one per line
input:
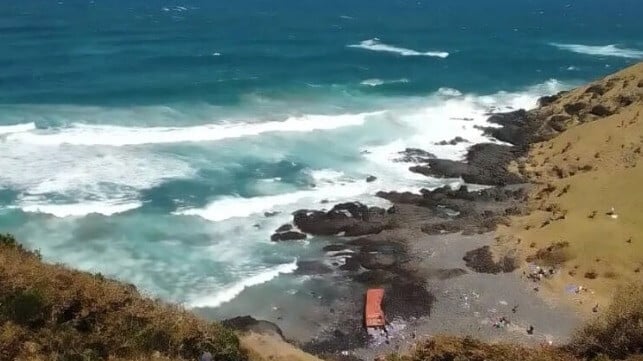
<point x="146" y="139"/>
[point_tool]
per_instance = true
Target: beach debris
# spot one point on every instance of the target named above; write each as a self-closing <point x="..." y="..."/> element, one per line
<point x="530" y="330"/>
<point x="592" y="215"/>
<point x="502" y="322"/>
<point x="538" y="273"/>
<point x="595" y="308"/>
<point x="514" y="309"/>
<point x="503" y="302"/>
<point x="629" y="240"/>
<point x="612" y="213"/>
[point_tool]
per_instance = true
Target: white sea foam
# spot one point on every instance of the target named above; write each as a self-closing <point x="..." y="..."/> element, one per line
<point x="449" y="92"/>
<point x="601" y="50"/>
<point x="106" y="208"/>
<point x="86" y="180"/>
<point x="328" y="185"/>
<point x="8" y="129"/>
<point x="378" y="82"/>
<point x="375" y="45"/>
<point x="230" y="292"/>
<point x="85" y="134"/>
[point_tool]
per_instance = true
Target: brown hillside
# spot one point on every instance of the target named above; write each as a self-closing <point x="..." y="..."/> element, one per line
<point x="594" y="164"/>
<point x="48" y="312"/>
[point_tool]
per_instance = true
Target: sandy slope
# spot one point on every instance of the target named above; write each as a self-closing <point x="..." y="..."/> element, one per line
<point x="592" y="166"/>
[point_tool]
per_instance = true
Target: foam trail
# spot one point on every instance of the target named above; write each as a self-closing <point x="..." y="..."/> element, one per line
<point x="8" y="129"/>
<point x="231" y="292"/>
<point x="378" y="82"/>
<point x="81" y="209"/>
<point x="233" y="207"/>
<point x="84" y="134"/>
<point x="375" y="45"/>
<point x="606" y="50"/>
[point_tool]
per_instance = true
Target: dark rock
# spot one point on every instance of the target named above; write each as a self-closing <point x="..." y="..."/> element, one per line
<point x="600" y="111"/>
<point x="334" y="248"/>
<point x="288" y="236"/>
<point x="270" y="214"/>
<point x="308" y="268"/>
<point x="548" y="99"/>
<point x="371" y="178"/>
<point x="559" y="122"/>
<point x="574" y="108"/>
<point x="351" y="264"/>
<point x="401" y="198"/>
<point x="250" y="324"/>
<point x="444" y="274"/>
<point x="284" y="228"/>
<point x="481" y="261"/>
<point x="595" y="89"/>
<point x="443" y="168"/>
<point x="415" y="155"/>
<point x="353" y="218"/>
<point x="453" y="141"/>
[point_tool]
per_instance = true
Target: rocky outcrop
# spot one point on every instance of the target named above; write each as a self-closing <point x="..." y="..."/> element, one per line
<point x="288" y="236"/>
<point x="251" y="324"/>
<point x="481" y="260"/>
<point x="415" y="155"/>
<point x="453" y="141"/>
<point x="351" y="219"/>
<point x="485" y="163"/>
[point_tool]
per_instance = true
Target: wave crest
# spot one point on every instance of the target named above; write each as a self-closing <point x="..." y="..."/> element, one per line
<point x="231" y="292"/>
<point x="606" y="50"/>
<point x="375" y="45"/>
<point x="110" y="135"/>
<point x="378" y="82"/>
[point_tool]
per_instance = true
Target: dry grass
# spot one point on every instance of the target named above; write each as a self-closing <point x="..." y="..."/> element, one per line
<point x="618" y="332"/>
<point x="592" y="166"/>
<point x="447" y="348"/>
<point x="48" y="312"/>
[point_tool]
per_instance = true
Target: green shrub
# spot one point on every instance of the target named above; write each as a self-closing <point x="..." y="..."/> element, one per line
<point x="25" y="308"/>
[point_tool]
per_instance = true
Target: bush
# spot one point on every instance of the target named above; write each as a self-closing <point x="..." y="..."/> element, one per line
<point x="25" y="308"/>
<point x="617" y="333"/>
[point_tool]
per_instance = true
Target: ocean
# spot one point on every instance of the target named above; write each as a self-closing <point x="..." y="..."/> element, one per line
<point x="162" y="142"/>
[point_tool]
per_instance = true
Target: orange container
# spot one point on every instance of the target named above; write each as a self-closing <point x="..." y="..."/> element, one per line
<point x="373" y="314"/>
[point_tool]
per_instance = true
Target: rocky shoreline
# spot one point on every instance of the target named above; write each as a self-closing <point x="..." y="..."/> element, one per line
<point x="373" y="246"/>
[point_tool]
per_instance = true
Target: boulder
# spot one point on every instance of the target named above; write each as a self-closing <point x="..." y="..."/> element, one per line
<point x="250" y="324"/>
<point x="371" y="178"/>
<point x="352" y="218"/>
<point x="288" y="236"/>
<point x="284" y="228"/>
<point x="309" y="268"/>
<point x="415" y="155"/>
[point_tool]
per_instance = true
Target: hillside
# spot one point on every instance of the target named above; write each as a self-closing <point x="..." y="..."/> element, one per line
<point x="49" y="312"/>
<point x="586" y="218"/>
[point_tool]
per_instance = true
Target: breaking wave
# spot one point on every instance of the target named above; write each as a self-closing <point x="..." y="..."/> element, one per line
<point x="110" y="135"/>
<point x="606" y="50"/>
<point x="378" y="82"/>
<point x="231" y="292"/>
<point x="375" y="45"/>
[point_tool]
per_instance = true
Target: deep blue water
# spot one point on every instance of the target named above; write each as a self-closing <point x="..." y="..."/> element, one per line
<point x="145" y="139"/>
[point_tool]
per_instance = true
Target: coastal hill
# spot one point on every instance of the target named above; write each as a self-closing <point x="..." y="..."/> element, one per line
<point x="585" y="216"/>
<point x="581" y="225"/>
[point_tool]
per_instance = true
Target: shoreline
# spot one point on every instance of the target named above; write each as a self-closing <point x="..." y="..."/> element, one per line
<point x="394" y="248"/>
